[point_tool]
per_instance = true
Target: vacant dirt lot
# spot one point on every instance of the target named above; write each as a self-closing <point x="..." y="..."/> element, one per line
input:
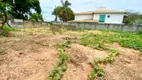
<point x="30" y="55"/>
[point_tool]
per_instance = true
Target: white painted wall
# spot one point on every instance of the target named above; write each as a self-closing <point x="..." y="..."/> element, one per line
<point x="96" y="16"/>
<point x="84" y="17"/>
<point x="114" y="18"/>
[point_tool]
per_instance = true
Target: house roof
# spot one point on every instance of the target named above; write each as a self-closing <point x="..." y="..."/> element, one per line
<point x="84" y="21"/>
<point x="101" y="12"/>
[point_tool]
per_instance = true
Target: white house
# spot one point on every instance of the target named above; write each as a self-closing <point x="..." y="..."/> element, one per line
<point x="101" y="16"/>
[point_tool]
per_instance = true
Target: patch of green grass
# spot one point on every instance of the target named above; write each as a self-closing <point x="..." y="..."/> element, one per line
<point x="94" y="41"/>
<point x="125" y="39"/>
<point x="6" y="30"/>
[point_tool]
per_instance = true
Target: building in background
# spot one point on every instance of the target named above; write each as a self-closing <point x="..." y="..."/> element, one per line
<point x="101" y="15"/>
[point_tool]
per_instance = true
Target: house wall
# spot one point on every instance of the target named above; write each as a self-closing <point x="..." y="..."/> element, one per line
<point x="96" y="16"/>
<point x="114" y="18"/>
<point x="83" y="17"/>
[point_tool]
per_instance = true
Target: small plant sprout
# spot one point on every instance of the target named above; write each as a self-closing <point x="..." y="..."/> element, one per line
<point x="97" y="70"/>
<point x="93" y="75"/>
<point x="61" y="66"/>
<point x="113" y="52"/>
<point x="2" y="52"/>
<point x="141" y="54"/>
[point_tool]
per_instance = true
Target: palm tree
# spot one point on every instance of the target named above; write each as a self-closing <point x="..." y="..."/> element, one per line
<point x="64" y="12"/>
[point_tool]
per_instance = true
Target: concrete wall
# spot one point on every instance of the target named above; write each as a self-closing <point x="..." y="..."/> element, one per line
<point x="83" y="17"/>
<point x="28" y="24"/>
<point x="97" y="26"/>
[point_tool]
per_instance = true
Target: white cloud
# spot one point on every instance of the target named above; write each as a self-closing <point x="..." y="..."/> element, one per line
<point x="87" y="5"/>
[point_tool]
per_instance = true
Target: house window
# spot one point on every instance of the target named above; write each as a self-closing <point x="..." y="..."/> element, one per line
<point x="108" y="16"/>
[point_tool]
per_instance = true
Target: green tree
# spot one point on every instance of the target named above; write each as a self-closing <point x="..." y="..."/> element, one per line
<point x="36" y="17"/>
<point x="23" y="8"/>
<point x="3" y="10"/>
<point x="64" y="12"/>
<point x="133" y="18"/>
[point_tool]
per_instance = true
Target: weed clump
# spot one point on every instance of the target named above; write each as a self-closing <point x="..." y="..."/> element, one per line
<point x="97" y="70"/>
<point x="2" y="52"/>
<point x="61" y="65"/>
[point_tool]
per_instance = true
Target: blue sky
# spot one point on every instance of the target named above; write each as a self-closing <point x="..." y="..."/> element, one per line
<point x="90" y="5"/>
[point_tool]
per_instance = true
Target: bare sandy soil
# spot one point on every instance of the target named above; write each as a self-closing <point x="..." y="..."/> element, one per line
<point x="30" y="56"/>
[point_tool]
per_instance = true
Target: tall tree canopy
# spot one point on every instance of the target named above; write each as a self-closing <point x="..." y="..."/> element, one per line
<point x="23" y="8"/>
<point x="20" y="9"/>
<point x="64" y="12"/>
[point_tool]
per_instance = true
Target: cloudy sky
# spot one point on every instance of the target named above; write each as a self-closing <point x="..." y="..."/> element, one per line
<point x="89" y="5"/>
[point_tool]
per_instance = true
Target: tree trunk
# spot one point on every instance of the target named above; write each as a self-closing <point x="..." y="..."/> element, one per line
<point x="4" y="21"/>
<point x="1" y="30"/>
<point x="56" y="18"/>
<point x="5" y="18"/>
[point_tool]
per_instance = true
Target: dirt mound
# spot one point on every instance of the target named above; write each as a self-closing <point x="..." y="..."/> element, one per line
<point x="127" y="66"/>
<point x="79" y="68"/>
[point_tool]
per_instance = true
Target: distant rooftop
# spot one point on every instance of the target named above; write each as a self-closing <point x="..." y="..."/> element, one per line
<point x="84" y="21"/>
<point x="102" y="10"/>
